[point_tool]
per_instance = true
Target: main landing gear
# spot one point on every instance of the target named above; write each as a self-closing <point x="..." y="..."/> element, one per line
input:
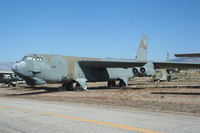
<point x="75" y="85"/>
<point x="112" y="83"/>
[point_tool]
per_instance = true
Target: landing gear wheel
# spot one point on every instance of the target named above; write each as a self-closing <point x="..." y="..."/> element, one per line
<point x="61" y="89"/>
<point x="14" y="85"/>
<point x="121" y="83"/>
<point x="67" y="86"/>
<point x="11" y="84"/>
<point x="78" y="87"/>
<point x="111" y="84"/>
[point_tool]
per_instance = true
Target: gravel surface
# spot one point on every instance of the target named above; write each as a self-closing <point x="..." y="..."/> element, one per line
<point x="181" y="95"/>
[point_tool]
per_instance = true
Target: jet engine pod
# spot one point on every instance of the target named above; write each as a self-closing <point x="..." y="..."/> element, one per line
<point x="136" y="71"/>
<point x="142" y="70"/>
<point x="147" y="71"/>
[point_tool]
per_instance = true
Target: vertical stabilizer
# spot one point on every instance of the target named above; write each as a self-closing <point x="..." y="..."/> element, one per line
<point x="142" y="50"/>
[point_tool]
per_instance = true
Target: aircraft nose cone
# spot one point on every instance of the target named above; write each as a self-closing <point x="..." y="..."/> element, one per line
<point x="19" y="67"/>
<point x="14" y="67"/>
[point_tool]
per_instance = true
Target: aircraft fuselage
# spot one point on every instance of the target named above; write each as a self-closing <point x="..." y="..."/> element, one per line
<point x="41" y="69"/>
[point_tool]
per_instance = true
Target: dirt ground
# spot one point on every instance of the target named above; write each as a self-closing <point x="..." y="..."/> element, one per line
<point x="179" y="95"/>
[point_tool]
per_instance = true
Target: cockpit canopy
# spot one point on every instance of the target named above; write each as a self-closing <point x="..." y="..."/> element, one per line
<point x="33" y="58"/>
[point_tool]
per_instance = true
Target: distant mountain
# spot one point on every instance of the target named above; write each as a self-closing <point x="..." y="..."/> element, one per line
<point x="6" y="66"/>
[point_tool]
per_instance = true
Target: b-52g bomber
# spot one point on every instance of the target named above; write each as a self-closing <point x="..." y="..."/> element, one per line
<point x="74" y="72"/>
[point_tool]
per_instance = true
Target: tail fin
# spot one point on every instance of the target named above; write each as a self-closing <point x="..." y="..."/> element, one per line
<point x="142" y="50"/>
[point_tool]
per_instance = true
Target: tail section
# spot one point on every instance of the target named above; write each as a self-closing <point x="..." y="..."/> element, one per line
<point x="142" y="50"/>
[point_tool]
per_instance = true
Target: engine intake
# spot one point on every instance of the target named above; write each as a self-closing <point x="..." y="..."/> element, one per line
<point x="142" y="70"/>
<point x="146" y="70"/>
<point x="136" y="71"/>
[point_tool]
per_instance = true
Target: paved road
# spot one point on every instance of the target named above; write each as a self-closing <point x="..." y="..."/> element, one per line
<point x="22" y="116"/>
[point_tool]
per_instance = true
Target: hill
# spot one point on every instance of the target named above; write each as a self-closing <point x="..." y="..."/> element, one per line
<point x="6" y="66"/>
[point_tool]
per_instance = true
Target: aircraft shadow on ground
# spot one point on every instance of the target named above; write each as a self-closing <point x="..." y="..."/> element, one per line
<point x="176" y="93"/>
<point x="113" y="88"/>
<point x="46" y="90"/>
<point x="55" y="89"/>
<point x="194" y="87"/>
<point x="24" y="94"/>
<point x="27" y="88"/>
<point x="30" y="88"/>
<point x="102" y="88"/>
<point x="137" y="84"/>
<point x="186" y="87"/>
<point x="136" y="88"/>
<point x="169" y="86"/>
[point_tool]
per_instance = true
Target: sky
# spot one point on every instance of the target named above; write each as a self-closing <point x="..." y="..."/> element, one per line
<point x="98" y="28"/>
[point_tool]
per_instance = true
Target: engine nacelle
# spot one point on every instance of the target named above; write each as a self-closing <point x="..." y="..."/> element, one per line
<point x="142" y="70"/>
<point x="146" y="70"/>
<point x="136" y="71"/>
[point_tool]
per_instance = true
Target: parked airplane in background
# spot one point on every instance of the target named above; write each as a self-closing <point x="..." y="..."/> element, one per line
<point x="38" y="69"/>
<point x="188" y="55"/>
<point x="164" y="74"/>
<point x="9" y="77"/>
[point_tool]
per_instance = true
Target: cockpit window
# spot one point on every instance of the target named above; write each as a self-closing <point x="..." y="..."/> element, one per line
<point x="38" y="59"/>
<point x="28" y="58"/>
<point x="31" y="58"/>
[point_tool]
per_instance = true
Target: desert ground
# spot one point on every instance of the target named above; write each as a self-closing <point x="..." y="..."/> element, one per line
<point x="182" y="94"/>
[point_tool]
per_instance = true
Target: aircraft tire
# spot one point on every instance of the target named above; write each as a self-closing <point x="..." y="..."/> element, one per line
<point x="67" y="86"/>
<point x="61" y="88"/>
<point x="121" y="83"/>
<point x="111" y="84"/>
<point x="78" y="87"/>
<point x="12" y="84"/>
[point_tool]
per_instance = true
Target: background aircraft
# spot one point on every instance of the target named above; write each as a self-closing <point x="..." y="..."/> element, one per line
<point x="166" y="74"/>
<point x="9" y="77"/>
<point x="38" y="69"/>
<point x="188" y="55"/>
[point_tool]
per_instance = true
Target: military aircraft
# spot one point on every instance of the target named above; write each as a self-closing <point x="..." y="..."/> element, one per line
<point x="166" y="74"/>
<point x="9" y="78"/>
<point x="188" y="55"/>
<point x="38" y="69"/>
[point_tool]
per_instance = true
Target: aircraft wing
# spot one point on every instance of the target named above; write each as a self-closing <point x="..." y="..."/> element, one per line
<point x="110" y="64"/>
<point x="132" y="64"/>
<point x="180" y="65"/>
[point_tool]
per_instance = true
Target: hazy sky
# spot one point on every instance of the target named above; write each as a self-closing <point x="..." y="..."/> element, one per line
<point x="98" y="28"/>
